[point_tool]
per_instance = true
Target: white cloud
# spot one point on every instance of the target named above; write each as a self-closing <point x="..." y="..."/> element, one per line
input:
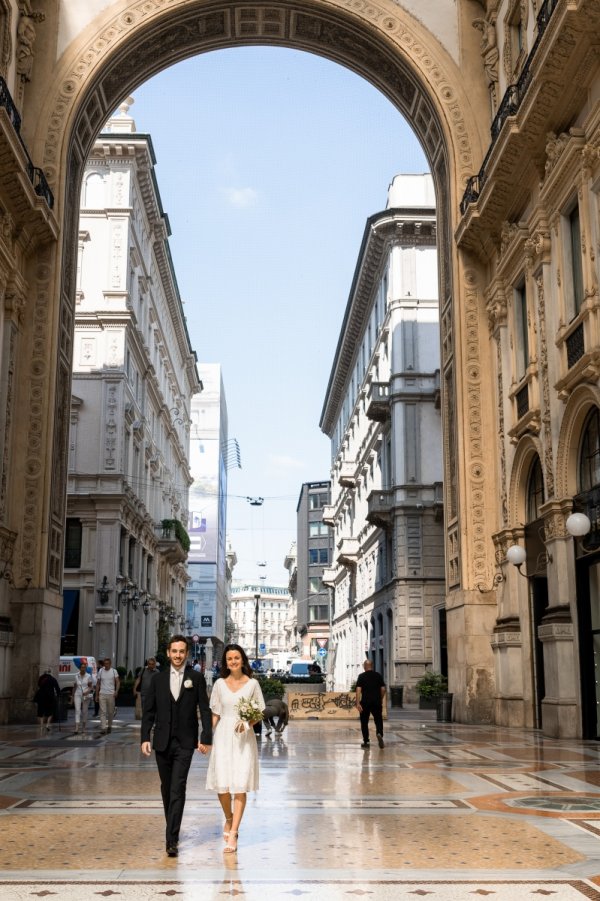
<point x="283" y="462"/>
<point x="241" y="197"/>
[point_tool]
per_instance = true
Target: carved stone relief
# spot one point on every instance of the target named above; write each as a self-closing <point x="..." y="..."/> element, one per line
<point x="490" y="55"/>
<point x="110" y="441"/>
<point x="5" y="36"/>
<point x="38" y="392"/>
<point x="476" y="468"/>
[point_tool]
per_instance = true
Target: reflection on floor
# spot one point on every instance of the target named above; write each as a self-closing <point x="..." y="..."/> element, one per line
<point x="444" y="812"/>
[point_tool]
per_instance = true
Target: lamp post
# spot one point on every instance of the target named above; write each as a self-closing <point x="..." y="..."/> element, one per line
<point x="256" y="607"/>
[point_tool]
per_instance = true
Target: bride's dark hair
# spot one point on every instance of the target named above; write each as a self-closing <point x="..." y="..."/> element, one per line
<point x="246" y="668"/>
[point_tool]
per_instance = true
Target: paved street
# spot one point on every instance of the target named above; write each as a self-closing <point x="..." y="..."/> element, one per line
<point x="445" y="811"/>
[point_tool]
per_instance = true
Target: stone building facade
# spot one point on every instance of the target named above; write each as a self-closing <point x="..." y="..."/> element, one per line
<point x="259" y="613"/>
<point x="504" y="98"/>
<point x="382" y="413"/>
<point x="134" y="374"/>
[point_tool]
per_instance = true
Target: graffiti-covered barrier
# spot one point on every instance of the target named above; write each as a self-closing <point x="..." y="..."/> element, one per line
<point x="339" y="705"/>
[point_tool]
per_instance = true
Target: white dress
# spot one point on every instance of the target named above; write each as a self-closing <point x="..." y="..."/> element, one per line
<point x="233" y="764"/>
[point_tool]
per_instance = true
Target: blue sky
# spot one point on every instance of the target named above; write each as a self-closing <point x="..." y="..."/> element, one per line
<point x="269" y="162"/>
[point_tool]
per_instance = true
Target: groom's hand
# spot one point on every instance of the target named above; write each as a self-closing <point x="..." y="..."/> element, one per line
<point x="204" y="749"/>
<point x="146" y="748"/>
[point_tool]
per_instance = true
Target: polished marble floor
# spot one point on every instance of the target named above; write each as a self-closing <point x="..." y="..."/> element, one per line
<point x="443" y="812"/>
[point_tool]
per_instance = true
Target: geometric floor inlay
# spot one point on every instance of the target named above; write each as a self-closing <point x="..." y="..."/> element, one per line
<point x="443" y="812"/>
<point x="548" y="802"/>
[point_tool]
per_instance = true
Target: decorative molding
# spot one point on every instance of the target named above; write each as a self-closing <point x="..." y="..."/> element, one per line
<point x="38" y="390"/>
<point x="545" y="382"/>
<point x="475" y="464"/>
<point x="134" y="42"/>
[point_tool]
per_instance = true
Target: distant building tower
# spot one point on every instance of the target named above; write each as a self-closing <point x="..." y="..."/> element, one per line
<point x="382" y="413"/>
<point x="259" y="613"/>
<point x="292" y="640"/>
<point x="314" y="554"/>
<point x="134" y="373"/>
<point x="207" y="594"/>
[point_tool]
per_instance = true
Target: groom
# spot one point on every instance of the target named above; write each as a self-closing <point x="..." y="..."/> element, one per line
<point x="171" y="706"/>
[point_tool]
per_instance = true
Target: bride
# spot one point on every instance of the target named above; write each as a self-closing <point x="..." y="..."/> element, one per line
<point x="233" y="765"/>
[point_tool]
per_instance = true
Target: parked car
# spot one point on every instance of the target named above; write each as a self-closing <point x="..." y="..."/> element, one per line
<point x="300" y="669"/>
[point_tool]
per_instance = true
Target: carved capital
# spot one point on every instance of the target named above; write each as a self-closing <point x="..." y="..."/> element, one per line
<point x="538" y="247"/>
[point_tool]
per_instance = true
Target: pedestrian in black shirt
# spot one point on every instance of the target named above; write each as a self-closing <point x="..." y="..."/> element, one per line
<point x="370" y="691"/>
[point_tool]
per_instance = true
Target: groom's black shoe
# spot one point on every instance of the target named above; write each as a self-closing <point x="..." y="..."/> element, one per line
<point x="172" y="850"/>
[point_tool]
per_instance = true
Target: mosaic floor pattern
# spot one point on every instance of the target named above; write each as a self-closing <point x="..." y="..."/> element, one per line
<point x="444" y="812"/>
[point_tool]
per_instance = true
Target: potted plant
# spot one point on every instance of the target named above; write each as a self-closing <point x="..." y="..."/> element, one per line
<point x="429" y="688"/>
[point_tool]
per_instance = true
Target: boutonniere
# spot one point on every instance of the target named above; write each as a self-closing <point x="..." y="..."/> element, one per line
<point x="188" y="683"/>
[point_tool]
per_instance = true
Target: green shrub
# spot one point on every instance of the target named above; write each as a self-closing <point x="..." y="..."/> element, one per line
<point x="431" y="685"/>
<point x="271" y="688"/>
<point x="316" y="679"/>
<point x="173" y="525"/>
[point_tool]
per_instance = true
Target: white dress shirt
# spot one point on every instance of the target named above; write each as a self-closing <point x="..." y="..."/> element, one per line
<point x="176" y="680"/>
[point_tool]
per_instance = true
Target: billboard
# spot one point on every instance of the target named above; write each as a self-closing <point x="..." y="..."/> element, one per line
<point x="204" y="500"/>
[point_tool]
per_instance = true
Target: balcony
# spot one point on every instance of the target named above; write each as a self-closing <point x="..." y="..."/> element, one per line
<point x="381" y="508"/>
<point x="378" y="401"/>
<point x="172" y="541"/>
<point x="328" y="515"/>
<point x="347" y="474"/>
<point x="529" y="110"/>
<point x="28" y="198"/>
<point x="348" y="551"/>
<point x="328" y="577"/>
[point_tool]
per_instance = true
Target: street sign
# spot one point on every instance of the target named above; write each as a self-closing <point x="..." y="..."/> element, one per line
<point x="195" y="638"/>
<point x="322" y="642"/>
<point x="262" y="648"/>
<point x="322" y="652"/>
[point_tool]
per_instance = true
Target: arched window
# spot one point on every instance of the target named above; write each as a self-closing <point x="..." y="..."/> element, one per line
<point x="589" y="455"/>
<point x="94" y="191"/>
<point x="535" y="491"/>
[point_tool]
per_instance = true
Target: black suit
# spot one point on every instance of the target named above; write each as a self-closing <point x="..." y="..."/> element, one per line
<point x="175" y="737"/>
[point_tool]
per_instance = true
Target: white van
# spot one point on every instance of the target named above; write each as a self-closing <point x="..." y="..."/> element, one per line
<point x="68" y="668"/>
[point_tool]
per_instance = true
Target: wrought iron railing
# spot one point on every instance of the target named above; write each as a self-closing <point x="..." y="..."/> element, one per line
<point x="36" y="176"/>
<point x="575" y="344"/>
<point x="509" y="106"/>
<point x="522" y="401"/>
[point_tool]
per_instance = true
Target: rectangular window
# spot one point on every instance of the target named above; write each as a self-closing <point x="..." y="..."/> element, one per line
<point x="316" y="501"/>
<point x="576" y="261"/>
<point x="317" y="529"/>
<point x="315" y="585"/>
<point x="521" y="330"/>
<point x="318" y="555"/>
<point x="318" y="613"/>
<point x="73" y="534"/>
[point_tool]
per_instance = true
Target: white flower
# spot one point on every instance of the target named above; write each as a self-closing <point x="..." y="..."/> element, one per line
<point x="188" y="683"/>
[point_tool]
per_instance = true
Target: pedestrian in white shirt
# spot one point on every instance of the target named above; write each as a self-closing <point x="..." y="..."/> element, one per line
<point x="81" y="694"/>
<point x="107" y="689"/>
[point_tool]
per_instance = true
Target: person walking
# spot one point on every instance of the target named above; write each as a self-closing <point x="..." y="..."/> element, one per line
<point x="46" y="698"/>
<point x="81" y="693"/>
<point x="142" y="683"/>
<point x="171" y="706"/>
<point x="107" y="690"/>
<point x="233" y="766"/>
<point x="370" y="692"/>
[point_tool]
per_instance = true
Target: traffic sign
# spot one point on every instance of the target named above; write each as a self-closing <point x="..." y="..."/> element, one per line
<point x="322" y="652"/>
<point x="196" y="638"/>
<point x="262" y="647"/>
<point x="322" y="642"/>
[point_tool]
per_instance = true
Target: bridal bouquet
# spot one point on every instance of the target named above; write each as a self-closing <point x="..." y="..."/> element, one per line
<point x="248" y="711"/>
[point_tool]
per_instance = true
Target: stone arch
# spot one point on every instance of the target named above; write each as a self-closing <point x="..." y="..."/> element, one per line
<point x="120" y="49"/>
<point x="527" y="449"/>
<point x="580" y="403"/>
<point x="378" y="40"/>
